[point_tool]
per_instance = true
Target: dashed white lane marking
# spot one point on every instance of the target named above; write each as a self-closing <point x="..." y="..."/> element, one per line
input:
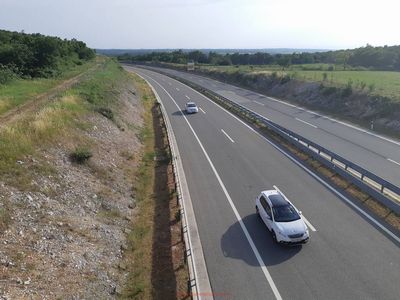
<point x="202" y="110"/>
<point x="177" y="89"/>
<point x="323" y="182"/>
<point x="393" y="161"/>
<point x="259" y="103"/>
<point x="309" y="225"/>
<point x="230" y="201"/>
<point x="309" y="124"/>
<point x="187" y="97"/>
<point x="227" y="136"/>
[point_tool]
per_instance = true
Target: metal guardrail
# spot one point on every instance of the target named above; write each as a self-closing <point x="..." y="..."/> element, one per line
<point x="192" y="282"/>
<point x="373" y="185"/>
<point x="192" y="286"/>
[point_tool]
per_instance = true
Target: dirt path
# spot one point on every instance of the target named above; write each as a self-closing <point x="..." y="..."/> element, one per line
<point x="32" y="105"/>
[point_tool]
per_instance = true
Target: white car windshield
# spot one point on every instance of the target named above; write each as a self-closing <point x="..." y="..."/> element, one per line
<point x="285" y="213"/>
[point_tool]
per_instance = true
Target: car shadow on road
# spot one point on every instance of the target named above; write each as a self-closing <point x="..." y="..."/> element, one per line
<point x="179" y="113"/>
<point x="235" y="245"/>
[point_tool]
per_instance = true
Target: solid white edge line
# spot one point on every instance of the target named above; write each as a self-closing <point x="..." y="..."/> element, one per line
<point x="238" y="217"/>
<point x="259" y="103"/>
<point x="309" y="124"/>
<point x="204" y="289"/>
<point x="393" y="161"/>
<point x="309" y="225"/>
<point x="202" y="110"/>
<point x="322" y="181"/>
<point x="223" y="131"/>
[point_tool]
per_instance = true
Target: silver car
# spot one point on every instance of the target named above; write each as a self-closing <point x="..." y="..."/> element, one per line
<point x="191" y="108"/>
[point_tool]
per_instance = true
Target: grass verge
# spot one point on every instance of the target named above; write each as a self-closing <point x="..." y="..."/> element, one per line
<point x="20" y="91"/>
<point x="58" y="120"/>
<point x="155" y="256"/>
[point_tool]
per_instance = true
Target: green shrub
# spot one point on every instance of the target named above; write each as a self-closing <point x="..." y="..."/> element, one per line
<point x="81" y="155"/>
<point x="285" y="79"/>
<point x="329" y="90"/>
<point x="106" y="112"/>
<point x="347" y="91"/>
<point x="4" y="218"/>
<point x="6" y="75"/>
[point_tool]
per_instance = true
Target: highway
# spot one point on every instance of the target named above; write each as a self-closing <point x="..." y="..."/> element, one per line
<point x="227" y="164"/>
<point x="378" y="154"/>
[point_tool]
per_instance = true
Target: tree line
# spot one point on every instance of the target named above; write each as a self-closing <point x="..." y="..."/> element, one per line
<point x="37" y="55"/>
<point x="374" y="58"/>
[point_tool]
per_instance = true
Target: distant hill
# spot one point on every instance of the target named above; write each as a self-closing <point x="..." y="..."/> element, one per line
<point x="134" y="52"/>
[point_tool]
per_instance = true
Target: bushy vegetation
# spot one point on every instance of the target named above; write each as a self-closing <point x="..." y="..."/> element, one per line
<point x="58" y="120"/>
<point x="36" y="55"/>
<point x="368" y="57"/>
<point x="81" y="155"/>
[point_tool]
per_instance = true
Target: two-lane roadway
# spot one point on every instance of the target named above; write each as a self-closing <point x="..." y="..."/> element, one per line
<point x="376" y="153"/>
<point x="227" y="164"/>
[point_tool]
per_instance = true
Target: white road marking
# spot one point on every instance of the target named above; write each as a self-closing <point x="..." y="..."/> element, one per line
<point x="187" y="97"/>
<point x="227" y="136"/>
<point x="193" y="237"/>
<point x="238" y="217"/>
<point x="177" y="89"/>
<point x="202" y="110"/>
<point x="300" y="120"/>
<point x="393" y="161"/>
<point x="309" y="225"/>
<point x="322" y="181"/>
<point x="258" y="102"/>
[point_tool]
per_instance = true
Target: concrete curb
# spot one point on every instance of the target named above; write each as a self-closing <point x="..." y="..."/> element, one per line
<point x="199" y="281"/>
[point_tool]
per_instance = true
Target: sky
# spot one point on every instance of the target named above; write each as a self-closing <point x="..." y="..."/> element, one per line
<point x="252" y="24"/>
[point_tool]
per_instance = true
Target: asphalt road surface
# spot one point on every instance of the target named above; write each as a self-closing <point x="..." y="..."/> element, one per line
<point x="378" y="154"/>
<point x="349" y="256"/>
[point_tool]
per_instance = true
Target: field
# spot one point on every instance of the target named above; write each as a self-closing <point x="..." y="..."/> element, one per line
<point x="19" y="91"/>
<point x="380" y="83"/>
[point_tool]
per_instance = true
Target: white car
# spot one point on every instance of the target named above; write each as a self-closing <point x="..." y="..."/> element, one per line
<point x="191" y="108"/>
<point x="282" y="218"/>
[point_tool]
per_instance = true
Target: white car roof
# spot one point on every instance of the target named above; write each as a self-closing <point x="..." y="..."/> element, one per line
<point x="270" y="192"/>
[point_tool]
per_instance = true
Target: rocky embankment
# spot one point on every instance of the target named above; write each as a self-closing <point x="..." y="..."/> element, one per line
<point x="63" y="234"/>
